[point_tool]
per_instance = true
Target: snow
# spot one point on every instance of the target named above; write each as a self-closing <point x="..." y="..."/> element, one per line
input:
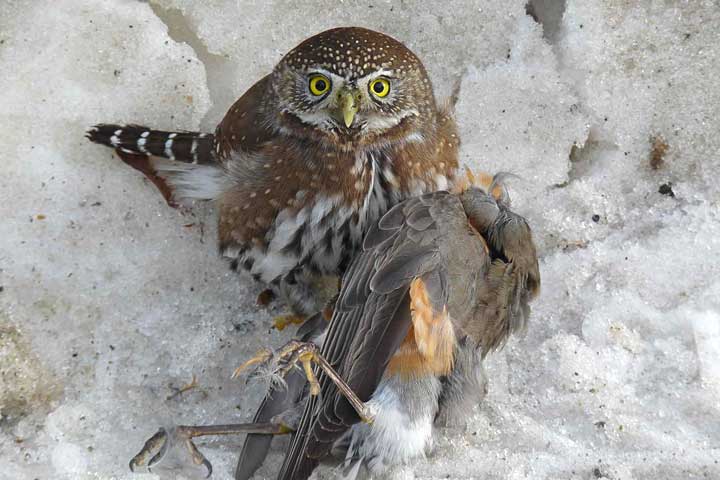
<point x="111" y="301"/>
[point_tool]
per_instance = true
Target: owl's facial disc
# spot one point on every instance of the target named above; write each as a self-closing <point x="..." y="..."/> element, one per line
<point x="343" y="105"/>
<point x="351" y="84"/>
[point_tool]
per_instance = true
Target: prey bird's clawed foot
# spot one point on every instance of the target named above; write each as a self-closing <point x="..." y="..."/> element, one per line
<point x="282" y="321"/>
<point x="159" y="444"/>
<point x="281" y="361"/>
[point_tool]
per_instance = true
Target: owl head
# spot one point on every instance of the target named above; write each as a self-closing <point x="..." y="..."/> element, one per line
<point x="352" y="85"/>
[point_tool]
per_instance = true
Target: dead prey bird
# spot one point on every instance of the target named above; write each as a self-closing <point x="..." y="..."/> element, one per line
<point x="442" y="280"/>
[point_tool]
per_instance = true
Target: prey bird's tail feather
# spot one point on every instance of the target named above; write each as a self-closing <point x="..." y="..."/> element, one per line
<point x="187" y="147"/>
<point x="279" y="401"/>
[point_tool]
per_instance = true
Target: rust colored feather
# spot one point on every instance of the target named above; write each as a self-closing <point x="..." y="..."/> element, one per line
<point x="429" y="345"/>
<point x="142" y="164"/>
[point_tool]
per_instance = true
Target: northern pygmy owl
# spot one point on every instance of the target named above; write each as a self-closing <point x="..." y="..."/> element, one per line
<point x="345" y="127"/>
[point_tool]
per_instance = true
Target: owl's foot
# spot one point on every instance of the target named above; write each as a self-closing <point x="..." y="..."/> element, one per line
<point x="157" y="447"/>
<point x="299" y="293"/>
<point x="282" y="321"/>
<point x="282" y="360"/>
<point x="279" y="322"/>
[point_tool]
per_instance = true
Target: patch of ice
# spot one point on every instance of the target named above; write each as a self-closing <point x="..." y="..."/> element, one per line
<point x="69" y="459"/>
<point x="706" y="327"/>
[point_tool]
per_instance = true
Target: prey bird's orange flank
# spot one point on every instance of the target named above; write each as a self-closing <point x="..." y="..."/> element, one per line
<point x="428" y="346"/>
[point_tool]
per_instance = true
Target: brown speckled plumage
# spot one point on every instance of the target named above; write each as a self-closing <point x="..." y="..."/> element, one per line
<point x="297" y="186"/>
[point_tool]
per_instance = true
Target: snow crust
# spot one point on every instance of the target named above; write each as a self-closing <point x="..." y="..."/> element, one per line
<point x="608" y="111"/>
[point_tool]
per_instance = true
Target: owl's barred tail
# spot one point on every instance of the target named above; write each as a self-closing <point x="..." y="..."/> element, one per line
<point x="188" y="147"/>
<point x="186" y="169"/>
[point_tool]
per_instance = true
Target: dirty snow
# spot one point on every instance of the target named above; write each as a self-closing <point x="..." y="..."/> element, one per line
<point x="111" y="301"/>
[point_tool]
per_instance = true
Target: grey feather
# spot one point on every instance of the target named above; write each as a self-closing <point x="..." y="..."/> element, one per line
<point x="436" y="285"/>
<point x="420" y="219"/>
<point x="279" y="403"/>
<point x="465" y="387"/>
<point x="394" y="218"/>
<point x="410" y="263"/>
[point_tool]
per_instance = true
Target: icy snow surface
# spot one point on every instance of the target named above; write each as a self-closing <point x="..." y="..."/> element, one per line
<point x="111" y="300"/>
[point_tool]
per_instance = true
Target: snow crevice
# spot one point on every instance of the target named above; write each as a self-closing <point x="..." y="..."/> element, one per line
<point x="217" y="67"/>
<point x="549" y="14"/>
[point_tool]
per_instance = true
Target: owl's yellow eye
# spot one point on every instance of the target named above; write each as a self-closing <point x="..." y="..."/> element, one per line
<point x="319" y="84"/>
<point x="380" y="87"/>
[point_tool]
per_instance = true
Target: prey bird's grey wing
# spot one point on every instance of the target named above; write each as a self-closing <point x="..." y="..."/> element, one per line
<point x="371" y="319"/>
<point x="278" y="400"/>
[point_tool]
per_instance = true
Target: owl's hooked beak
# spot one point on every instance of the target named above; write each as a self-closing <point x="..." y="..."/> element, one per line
<point x="349" y="104"/>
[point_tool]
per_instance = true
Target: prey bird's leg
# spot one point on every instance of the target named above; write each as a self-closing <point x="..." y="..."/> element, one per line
<point x="158" y="441"/>
<point x="163" y="440"/>
<point x="366" y="413"/>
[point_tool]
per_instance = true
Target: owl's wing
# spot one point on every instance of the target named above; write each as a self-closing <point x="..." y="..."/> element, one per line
<point x="372" y="317"/>
<point x="243" y="129"/>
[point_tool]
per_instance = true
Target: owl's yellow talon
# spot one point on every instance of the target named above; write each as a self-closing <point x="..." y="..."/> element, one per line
<point x="282" y="321"/>
<point x="306" y="354"/>
<point x="306" y="359"/>
<point x="261" y="357"/>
